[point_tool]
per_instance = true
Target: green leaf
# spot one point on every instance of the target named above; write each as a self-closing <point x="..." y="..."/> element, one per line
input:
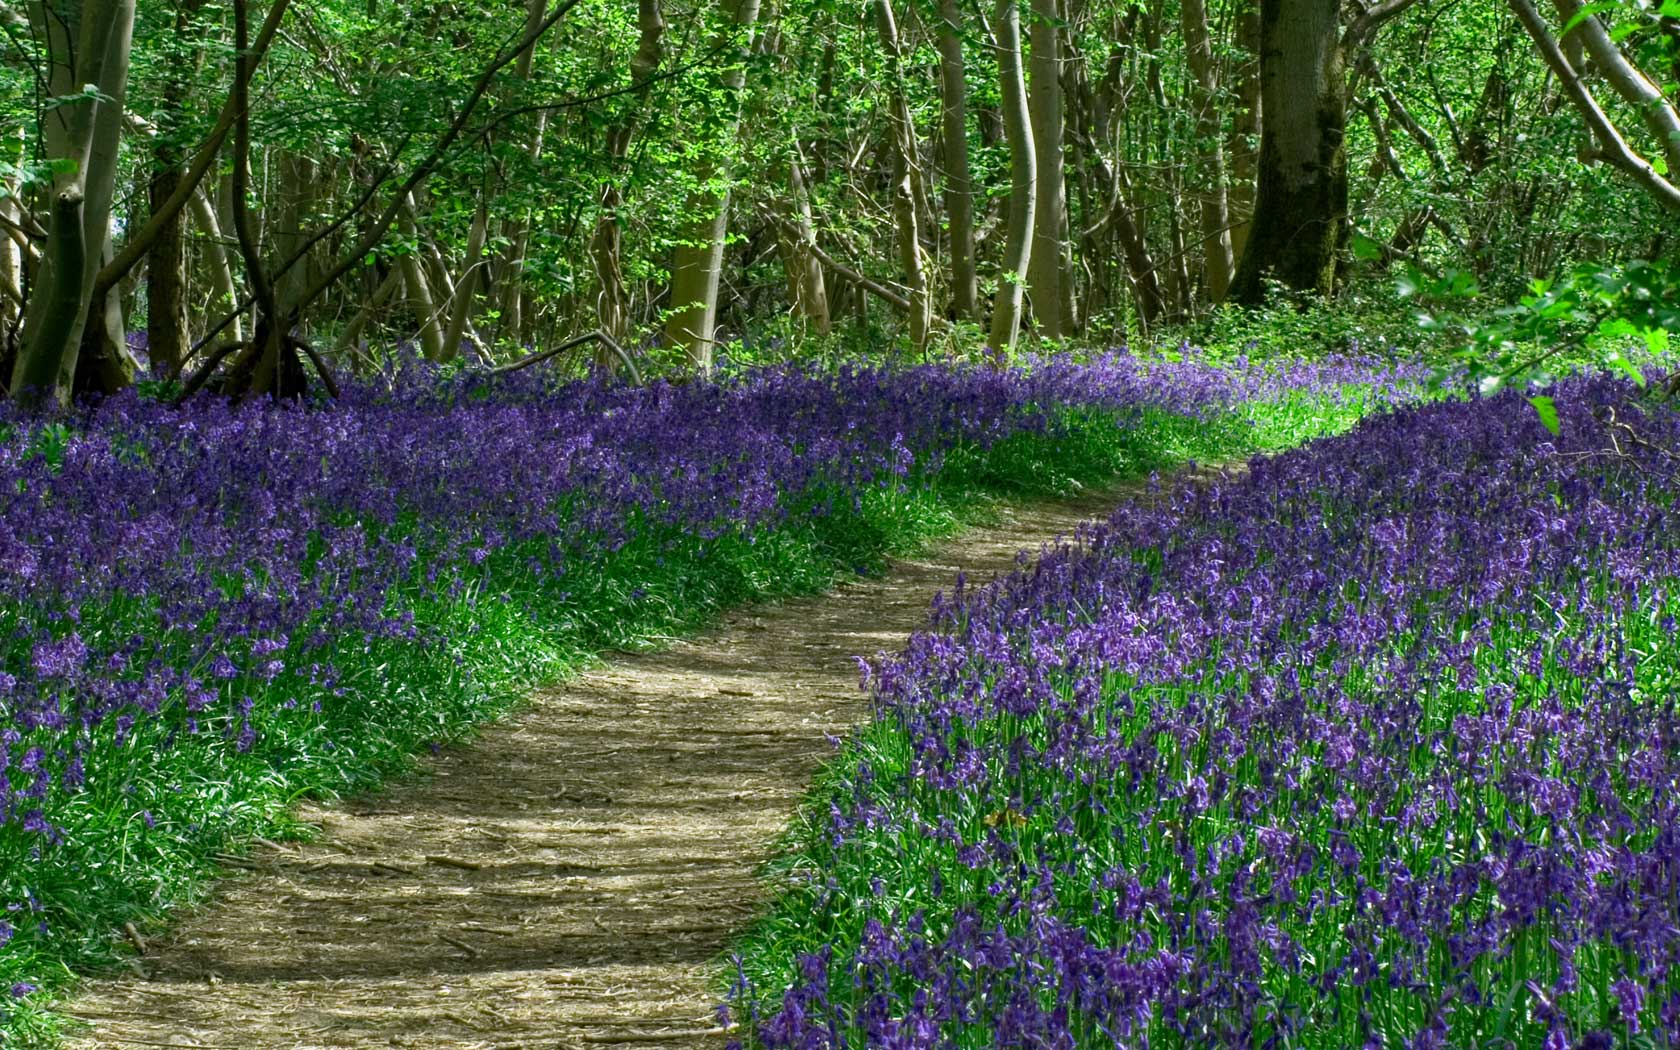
<point x="1547" y="410"/>
<point x="1364" y="248"/>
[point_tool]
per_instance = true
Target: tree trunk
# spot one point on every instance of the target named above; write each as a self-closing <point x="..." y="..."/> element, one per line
<point x="462" y="300"/>
<point x="349" y="338"/>
<point x="1047" y="269"/>
<point x="1023" y="178"/>
<point x="221" y="267"/>
<point x="1636" y="89"/>
<point x="167" y="337"/>
<point x="906" y="179"/>
<point x="959" y="184"/>
<point x="85" y="133"/>
<point x="1245" y="125"/>
<point x="1658" y="184"/>
<point x="698" y="265"/>
<point x="293" y="201"/>
<point x="1216" y="238"/>
<point x="512" y="270"/>
<point x="807" y="289"/>
<point x="1300" y="212"/>
<point x="418" y="290"/>
<point x="612" y="305"/>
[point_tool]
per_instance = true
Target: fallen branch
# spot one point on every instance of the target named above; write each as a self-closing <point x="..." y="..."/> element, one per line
<point x="596" y="336"/>
<point x="874" y="287"/>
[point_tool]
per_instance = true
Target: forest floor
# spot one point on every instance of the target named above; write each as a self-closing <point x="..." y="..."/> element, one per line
<point x="570" y="878"/>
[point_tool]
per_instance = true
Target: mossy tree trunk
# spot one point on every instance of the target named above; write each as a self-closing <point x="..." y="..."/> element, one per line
<point x="1301" y="210"/>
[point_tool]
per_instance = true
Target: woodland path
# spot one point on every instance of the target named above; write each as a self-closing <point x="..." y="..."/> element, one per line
<point x="571" y="877"/>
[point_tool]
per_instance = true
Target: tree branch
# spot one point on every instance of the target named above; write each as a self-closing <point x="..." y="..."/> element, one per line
<point x="1368" y="21"/>
<point x="1629" y="82"/>
<point x="1617" y="151"/>
<point x="876" y="288"/>
<point x="140" y="243"/>
<point x="382" y="226"/>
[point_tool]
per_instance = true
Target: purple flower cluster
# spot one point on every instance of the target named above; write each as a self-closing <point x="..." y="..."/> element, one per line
<point x="1377" y="745"/>
<point x="203" y="574"/>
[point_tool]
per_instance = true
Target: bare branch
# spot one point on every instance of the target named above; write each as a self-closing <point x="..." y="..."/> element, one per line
<point x="1616" y="149"/>
<point x="1368" y="21"/>
<point x="137" y="245"/>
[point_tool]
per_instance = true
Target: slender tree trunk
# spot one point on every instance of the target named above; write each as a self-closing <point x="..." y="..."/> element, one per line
<point x="959" y="184"/>
<point x="462" y="300"/>
<point x="12" y="259"/>
<point x="350" y="337"/>
<point x="1301" y="208"/>
<point x="418" y="290"/>
<point x="1660" y="185"/>
<point x="167" y="335"/>
<point x="1245" y="126"/>
<point x="1659" y="114"/>
<point x="1216" y="238"/>
<point x="293" y="202"/>
<point x="698" y="265"/>
<point x="906" y="177"/>
<point x="512" y="270"/>
<point x="612" y="307"/>
<point x="1178" y="268"/>
<point x="1023" y="178"/>
<point x="807" y="288"/>
<point x="1047" y="270"/>
<point x="216" y="257"/>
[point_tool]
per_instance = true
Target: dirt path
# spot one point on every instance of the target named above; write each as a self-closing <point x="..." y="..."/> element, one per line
<point x="570" y="879"/>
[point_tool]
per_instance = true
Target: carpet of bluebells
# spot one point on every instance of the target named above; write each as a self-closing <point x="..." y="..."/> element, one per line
<point x="1377" y="745"/>
<point x="206" y="611"/>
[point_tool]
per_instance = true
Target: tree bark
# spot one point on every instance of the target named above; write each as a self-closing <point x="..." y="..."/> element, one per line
<point x="85" y="133"/>
<point x="293" y="201"/>
<point x="216" y="257"/>
<point x="1023" y="178"/>
<point x="1216" y="237"/>
<point x="462" y="300"/>
<point x="906" y="179"/>
<point x="807" y="288"/>
<point x="418" y="290"/>
<point x="1047" y="267"/>
<point x="959" y="184"/>
<point x="612" y="307"/>
<point x="349" y="337"/>
<point x="1300" y="213"/>
<point x="698" y="266"/>
<point x="512" y="269"/>
<point x="167" y="337"/>
<point x="1245" y="125"/>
